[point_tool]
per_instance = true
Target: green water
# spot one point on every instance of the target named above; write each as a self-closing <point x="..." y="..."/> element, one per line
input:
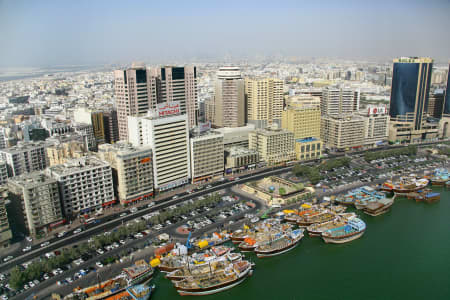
<point x="404" y="254"/>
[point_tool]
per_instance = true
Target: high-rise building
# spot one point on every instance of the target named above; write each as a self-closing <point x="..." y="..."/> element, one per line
<point x="410" y="90"/>
<point x="342" y="133"/>
<point x="25" y="157"/>
<point x="376" y="127"/>
<point x="132" y="170"/>
<point x="85" y="184"/>
<point x="135" y="93"/>
<point x="166" y="131"/>
<point x="339" y="101"/>
<point x="409" y="100"/>
<point x="264" y="99"/>
<point x="40" y="200"/>
<point x="111" y="126"/>
<point x="178" y="84"/>
<point x="5" y="230"/>
<point x="447" y="96"/>
<point x="274" y="145"/>
<point x="436" y="103"/>
<point x="94" y="118"/>
<point x="207" y="155"/>
<point x="229" y="98"/>
<point x="302" y="116"/>
<point x="139" y="89"/>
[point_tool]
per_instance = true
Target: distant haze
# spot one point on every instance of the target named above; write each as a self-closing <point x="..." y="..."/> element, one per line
<point x="46" y="33"/>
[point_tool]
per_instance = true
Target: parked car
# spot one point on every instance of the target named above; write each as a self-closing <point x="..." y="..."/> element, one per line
<point x="76" y="231"/>
<point x="99" y="264"/>
<point x="26" y="249"/>
<point x="123" y="214"/>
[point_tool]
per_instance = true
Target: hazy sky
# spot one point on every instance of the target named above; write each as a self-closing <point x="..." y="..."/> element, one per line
<point x="39" y="33"/>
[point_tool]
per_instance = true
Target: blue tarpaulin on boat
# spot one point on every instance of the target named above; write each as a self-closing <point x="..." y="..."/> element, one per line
<point x="432" y="195"/>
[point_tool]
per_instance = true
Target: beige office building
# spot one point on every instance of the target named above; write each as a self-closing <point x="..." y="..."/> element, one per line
<point x="207" y="155"/>
<point x="169" y="139"/>
<point x="5" y="230"/>
<point x="229" y="98"/>
<point x="274" y="145"/>
<point x="132" y="170"/>
<point x="343" y="133"/>
<point x="236" y="136"/>
<point x="264" y="101"/>
<point x="302" y="116"/>
<point x="40" y="200"/>
<point x="376" y="127"/>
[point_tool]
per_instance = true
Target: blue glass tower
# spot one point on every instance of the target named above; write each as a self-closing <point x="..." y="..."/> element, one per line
<point x="410" y="88"/>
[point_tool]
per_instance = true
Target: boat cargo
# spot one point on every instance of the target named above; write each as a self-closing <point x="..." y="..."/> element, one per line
<point x="354" y="229"/>
<point x="280" y="244"/>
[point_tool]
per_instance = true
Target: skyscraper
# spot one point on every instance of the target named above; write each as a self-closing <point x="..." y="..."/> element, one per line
<point x="138" y="90"/>
<point x="135" y="92"/>
<point x="229" y="101"/>
<point x="447" y="95"/>
<point x="264" y="101"/>
<point x="178" y="84"/>
<point x="410" y="88"/>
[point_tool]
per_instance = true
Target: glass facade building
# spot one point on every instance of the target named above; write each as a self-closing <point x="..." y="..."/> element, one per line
<point x="410" y="88"/>
<point x="447" y="95"/>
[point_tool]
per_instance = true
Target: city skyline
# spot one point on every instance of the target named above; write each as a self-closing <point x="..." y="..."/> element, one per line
<point x="52" y="33"/>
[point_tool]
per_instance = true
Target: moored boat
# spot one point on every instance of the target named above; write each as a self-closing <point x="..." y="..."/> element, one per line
<point x="281" y="244"/>
<point x="340" y="220"/>
<point x="378" y="207"/>
<point x="319" y="218"/>
<point x="354" y="229"/>
<point x="138" y="273"/>
<point x="216" y="282"/>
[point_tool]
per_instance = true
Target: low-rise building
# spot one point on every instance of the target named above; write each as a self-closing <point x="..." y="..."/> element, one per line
<point x="40" y="199"/>
<point x="132" y="170"/>
<point x="25" y="157"/>
<point x="86" y="185"/>
<point x="207" y="155"/>
<point x="274" y="145"/>
<point x="240" y="158"/>
<point x="308" y="148"/>
<point x="236" y="136"/>
<point x="62" y="148"/>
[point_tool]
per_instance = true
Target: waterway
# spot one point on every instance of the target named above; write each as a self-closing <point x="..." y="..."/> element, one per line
<point x="404" y="254"/>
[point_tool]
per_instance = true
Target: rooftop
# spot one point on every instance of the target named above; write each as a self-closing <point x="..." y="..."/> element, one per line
<point x="32" y="179"/>
<point x="78" y="164"/>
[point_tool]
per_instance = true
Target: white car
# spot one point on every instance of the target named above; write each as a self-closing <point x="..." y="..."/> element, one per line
<point x="61" y="234"/>
<point x="76" y="231"/>
<point x="46" y="277"/>
<point x="29" y="239"/>
<point x="123" y="214"/>
<point x="138" y="235"/>
<point x="45" y="244"/>
<point x="99" y="264"/>
<point x="151" y="204"/>
<point x="100" y="251"/>
<point x="26" y="249"/>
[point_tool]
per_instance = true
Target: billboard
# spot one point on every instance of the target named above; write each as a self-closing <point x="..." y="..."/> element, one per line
<point x="376" y="110"/>
<point x="168" y="109"/>
<point x="202" y="127"/>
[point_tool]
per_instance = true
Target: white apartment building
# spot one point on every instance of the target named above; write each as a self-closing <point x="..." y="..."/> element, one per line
<point x="132" y="170"/>
<point x="85" y="183"/>
<point x="40" y="200"/>
<point x="3" y="172"/>
<point x="25" y="157"/>
<point x="339" y="101"/>
<point x="343" y="133"/>
<point x="168" y="136"/>
<point x="207" y="155"/>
